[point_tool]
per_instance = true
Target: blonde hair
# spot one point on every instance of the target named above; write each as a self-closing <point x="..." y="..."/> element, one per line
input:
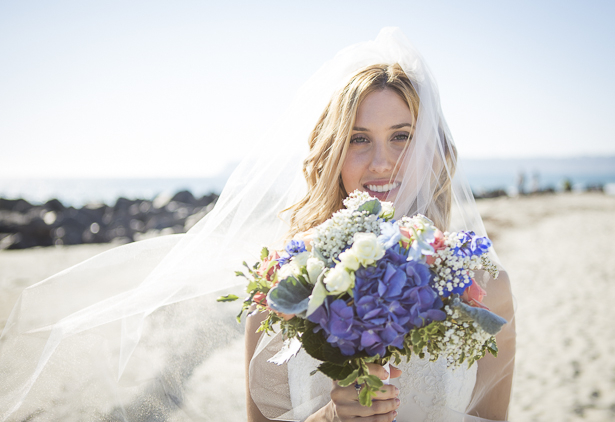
<point x="330" y="138"/>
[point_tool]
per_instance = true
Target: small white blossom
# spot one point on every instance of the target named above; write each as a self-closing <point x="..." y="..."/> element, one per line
<point x="338" y="280"/>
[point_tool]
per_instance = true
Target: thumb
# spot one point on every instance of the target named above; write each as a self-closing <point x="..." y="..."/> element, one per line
<point x="395" y="372"/>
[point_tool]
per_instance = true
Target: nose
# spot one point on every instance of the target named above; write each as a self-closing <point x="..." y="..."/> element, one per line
<point x="383" y="159"/>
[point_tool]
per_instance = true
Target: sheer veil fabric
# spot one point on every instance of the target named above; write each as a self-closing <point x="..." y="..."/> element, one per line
<point x="122" y="335"/>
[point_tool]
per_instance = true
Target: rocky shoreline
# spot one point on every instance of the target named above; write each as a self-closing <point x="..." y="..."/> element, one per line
<point x="24" y="225"/>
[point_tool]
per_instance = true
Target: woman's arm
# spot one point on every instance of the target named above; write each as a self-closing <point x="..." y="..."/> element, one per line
<point x="497" y="373"/>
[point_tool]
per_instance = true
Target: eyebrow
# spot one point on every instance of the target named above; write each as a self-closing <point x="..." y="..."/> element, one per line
<point x="399" y="126"/>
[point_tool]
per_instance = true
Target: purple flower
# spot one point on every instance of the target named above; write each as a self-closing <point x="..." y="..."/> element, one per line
<point x="471" y="244"/>
<point x="294" y="247"/>
<point x="390" y="298"/>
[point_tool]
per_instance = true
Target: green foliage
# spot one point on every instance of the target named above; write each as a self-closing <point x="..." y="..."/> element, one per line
<point x="290" y="296"/>
<point x="345" y="373"/>
<point x="316" y="345"/>
<point x="373" y="207"/>
<point x="228" y="298"/>
<point x="264" y="253"/>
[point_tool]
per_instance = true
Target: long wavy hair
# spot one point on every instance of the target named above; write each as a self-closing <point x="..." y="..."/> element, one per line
<point x="330" y="139"/>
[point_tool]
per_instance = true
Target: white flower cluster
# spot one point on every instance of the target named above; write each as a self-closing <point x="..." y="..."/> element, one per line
<point x="356" y="199"/>
<point x="489" y="266"/>
<point x="332" y="236"/>
<point x="365" y="251"/>
<point x="462" y="341"/>
<point x="423" y="225"/>
<point x="453" y="271"/>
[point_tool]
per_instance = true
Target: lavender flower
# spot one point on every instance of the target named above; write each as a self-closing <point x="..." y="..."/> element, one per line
<point x="294" y="247"/>
<point x="471" y="244"/>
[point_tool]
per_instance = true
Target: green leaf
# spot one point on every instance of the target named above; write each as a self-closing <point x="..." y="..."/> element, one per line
<point x="373" y="207"/>
<point x="319" y="294"/>
<point x="373" y="381"/>
<point x="239" y="274"/>
<point x="316" y="345"/>
<point x="336" y="372"/>
<point x="264" y="253"/>
<point x="365" y="396"/>
<point x="350" y="378"/>
<point x="289" y="296"/>
<point x="227" y="298"/>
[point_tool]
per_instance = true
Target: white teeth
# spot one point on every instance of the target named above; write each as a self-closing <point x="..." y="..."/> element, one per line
<point x="383" y="188"/>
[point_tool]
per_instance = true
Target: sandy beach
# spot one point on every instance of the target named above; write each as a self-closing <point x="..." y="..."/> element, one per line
<point x="557" y="250"/>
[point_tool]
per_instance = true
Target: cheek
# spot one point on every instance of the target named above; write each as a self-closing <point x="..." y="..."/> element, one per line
<point x="352" y="173"/>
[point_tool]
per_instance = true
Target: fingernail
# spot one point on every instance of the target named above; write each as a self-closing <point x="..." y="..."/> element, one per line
<point x="397" y="401"/>
<point x="397" y="390"/>
<point x="394" y="413"/>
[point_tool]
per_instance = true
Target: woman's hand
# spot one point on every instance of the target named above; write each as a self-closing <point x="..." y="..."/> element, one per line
<point x="384" y="405"/>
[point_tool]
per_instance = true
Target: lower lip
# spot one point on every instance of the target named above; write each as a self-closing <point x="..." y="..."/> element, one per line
<point x="383" y="196"/>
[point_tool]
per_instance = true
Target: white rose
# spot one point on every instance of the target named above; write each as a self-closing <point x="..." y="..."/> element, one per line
<point x="297" y="262"/>
<point x="285" y="271"/>
<point x="338" y="280"/>
<point x="388" y="210"/>
<point x="314" y="268"/>
<point x="366" y="248"/>
<point x="301" y="259"/>
<point x="349" y="260"/>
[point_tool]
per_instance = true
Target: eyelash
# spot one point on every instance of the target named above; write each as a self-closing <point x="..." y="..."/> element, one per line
<point x="363" y="139"/>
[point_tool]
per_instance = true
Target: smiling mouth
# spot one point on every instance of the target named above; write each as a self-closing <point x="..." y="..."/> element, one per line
<point x="383" y="188"/>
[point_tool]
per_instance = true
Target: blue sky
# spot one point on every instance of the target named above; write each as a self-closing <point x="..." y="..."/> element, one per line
<point x="180" y="89"/>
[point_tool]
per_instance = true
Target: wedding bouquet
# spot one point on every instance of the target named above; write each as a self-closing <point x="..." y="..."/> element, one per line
<point x="366" y="288"/>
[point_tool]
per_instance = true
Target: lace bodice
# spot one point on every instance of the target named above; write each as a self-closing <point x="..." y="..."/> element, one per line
<point x="429" y="391"/>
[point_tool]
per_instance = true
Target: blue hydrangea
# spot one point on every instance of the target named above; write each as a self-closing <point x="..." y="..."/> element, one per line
<point x="390" y="298"/>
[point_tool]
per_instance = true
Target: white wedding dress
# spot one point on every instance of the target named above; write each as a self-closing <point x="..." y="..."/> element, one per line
<point x="429" y="391"/>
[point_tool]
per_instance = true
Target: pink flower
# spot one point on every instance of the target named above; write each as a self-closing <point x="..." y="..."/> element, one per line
<point x="474" y="295"/>
<point x="260" y="298"/>
<point x="272" y="269"/>
<point x="438" y="244"/>
<point x="405" y="236"/>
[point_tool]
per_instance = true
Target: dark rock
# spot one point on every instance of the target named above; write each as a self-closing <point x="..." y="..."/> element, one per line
<point x="54" y="205"/>
<point x="184" y="196"/>
<point x="35" y="233"/>
<point x="206" y="200"/>
<point x="18" y="205"/>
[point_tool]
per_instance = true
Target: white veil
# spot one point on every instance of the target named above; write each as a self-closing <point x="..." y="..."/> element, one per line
<point x="119" y="336"/>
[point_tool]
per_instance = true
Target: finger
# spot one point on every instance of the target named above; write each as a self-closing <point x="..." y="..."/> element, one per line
<point x="387" y="392"/>
<point x="378" y="407"/>
<point x="395" y="372"/>
<point x="389" y="417"/>
<point x="378" y="370"/>
<point x="344" y="395"/>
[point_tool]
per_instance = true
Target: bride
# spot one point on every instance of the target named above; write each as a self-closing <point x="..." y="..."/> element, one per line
<point x="382" y="132"/>
<point x="132" y="334"/>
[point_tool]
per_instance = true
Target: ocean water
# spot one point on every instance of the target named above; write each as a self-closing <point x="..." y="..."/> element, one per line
<point x="483" y="175"/>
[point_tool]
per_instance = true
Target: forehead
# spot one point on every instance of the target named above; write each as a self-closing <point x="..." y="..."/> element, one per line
<point x="383" y="108"/>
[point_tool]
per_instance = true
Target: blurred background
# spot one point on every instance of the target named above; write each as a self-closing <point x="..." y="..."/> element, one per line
<point x="102" y="100"/>
<point x="94" y="95"/>
<point x="123" y="120"/>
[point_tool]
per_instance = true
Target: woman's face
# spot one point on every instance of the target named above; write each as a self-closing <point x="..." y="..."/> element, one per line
<point x="383" y="127"/>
